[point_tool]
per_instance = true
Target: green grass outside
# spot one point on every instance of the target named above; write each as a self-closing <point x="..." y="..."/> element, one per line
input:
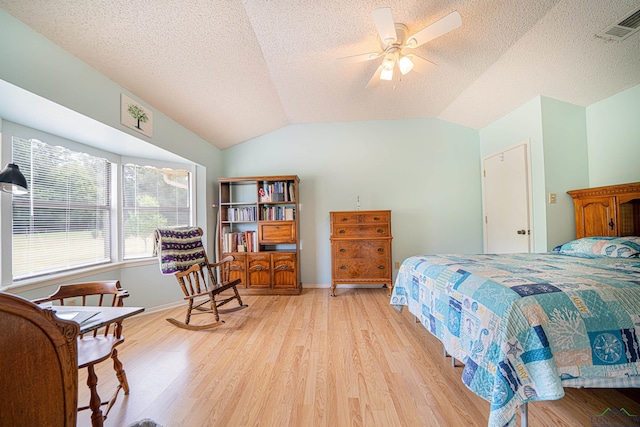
<point x="52" y="251"/>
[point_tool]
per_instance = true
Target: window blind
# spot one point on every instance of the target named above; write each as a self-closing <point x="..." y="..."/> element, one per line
<point x="64" y="221"/>
<point x="152" y="198"/>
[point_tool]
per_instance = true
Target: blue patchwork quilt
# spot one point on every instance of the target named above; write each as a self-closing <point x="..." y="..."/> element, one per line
<point x="525" y="325"/>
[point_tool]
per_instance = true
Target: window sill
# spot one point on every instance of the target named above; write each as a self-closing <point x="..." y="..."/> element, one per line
<point x="69" y="276"/>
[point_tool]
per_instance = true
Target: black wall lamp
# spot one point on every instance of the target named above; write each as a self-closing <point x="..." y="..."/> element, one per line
<point x="12" y="180"/>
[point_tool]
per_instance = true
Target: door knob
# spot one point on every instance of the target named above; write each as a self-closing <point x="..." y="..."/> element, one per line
<point x="521" y="232"/>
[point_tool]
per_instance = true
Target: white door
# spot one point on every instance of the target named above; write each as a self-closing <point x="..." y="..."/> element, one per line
<point x="506" y="201"/>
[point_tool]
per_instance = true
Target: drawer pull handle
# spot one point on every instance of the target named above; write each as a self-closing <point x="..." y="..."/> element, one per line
<point x="341" y="232"/>
<point x="380" y="249"/>
<point x="381" y="267"/>
<point x="375" y="218"/>
<point x="343" y="267"/>
<point x="380" y="230"/>
<point x="343" y="250"/>
<point x="345" y="219"/>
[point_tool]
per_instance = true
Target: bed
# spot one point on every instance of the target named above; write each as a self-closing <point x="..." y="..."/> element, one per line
<point x="527" y="325"/>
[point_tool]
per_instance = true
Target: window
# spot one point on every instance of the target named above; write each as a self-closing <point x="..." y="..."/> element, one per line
<point x="64" y="222"/>
<point x="152" y="198"/>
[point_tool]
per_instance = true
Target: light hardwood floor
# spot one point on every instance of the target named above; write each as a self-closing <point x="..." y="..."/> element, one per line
<point x="308" y="360"/>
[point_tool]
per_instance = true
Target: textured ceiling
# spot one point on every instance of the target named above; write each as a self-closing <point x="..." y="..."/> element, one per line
<point x="231" y="70"/>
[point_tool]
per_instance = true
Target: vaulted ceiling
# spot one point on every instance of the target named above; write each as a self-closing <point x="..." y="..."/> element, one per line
<point x="232" y="70"/>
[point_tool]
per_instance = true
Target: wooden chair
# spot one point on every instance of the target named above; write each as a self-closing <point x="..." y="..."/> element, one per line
<point x="38" y="365"/>
<point x="203" y="298"/>
<point x="180" y="252"/>
<point x="101" y="344"/>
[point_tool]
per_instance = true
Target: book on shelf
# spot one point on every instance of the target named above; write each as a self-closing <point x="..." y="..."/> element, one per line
<point x="277" y="213"/>
<point x="278" y="191"/>
<point x="288" y="214"/>
<point x="247" y="213"/>
<point x="240" y="241"/>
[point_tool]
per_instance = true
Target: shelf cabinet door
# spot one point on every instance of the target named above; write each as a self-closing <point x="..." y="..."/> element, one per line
<point x="284" y="270"/>
<point x="277" y="232"/>
<point x="238" y="270"/>
<point x="596" y="216"/>
<point x="259" y="270"/>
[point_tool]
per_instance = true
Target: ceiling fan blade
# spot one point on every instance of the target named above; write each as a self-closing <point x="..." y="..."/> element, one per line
<point x="438" y="28"/>
<point x="357" y="58"/>
<point x="375" y="80"/>
<point x="384" y="23"/>
<point x="421" y="65"/>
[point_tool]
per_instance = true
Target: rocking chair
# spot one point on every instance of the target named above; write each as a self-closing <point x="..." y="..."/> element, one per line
<point x="181" y="252"/>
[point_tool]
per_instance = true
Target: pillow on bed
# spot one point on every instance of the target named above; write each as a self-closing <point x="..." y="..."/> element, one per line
<point x="591" y="247"/>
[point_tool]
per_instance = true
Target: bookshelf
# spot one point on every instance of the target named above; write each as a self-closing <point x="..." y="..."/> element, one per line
<point x="259" y="226"/>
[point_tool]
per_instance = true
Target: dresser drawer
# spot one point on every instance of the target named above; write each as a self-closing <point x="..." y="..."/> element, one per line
<point x="365" y="217"/>
<point x="277" y="232"/>
<point x="370" y="231"/>
<point x="360" y="269"/>
<point x="372" y="249"/>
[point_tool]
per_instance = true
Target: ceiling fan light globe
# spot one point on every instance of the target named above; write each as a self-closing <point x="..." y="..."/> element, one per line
<point x="405" y="64"/>
<point x="386" y="74"/>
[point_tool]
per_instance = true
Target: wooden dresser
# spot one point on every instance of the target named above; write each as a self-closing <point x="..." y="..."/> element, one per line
<point x="361" y="248"/>
<point x="613" y="210"/>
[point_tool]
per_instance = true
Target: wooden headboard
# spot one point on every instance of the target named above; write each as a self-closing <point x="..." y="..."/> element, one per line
<point x="613" y="210"/>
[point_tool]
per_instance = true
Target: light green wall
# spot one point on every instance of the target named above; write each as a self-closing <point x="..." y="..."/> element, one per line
<point x="426" y="171"/>
<point x="613" y="130"/>
<point x="523" y="124"/>
<point x="556" y="132"/>
<point x="32" y="62"/>
<point x="565" y="165"/>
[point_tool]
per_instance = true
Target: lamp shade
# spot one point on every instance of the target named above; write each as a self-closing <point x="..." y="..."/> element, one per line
<point x="405" y="64"/>
<point x="12" y="180"/>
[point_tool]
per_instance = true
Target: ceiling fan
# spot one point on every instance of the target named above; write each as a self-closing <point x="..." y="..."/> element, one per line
<point x="395" y="45"/>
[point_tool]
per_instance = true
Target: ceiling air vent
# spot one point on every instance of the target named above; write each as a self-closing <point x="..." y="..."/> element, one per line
<point x="623" y="29"/>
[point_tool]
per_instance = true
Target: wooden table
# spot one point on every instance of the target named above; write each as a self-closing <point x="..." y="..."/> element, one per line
<point x="105" y="316"/>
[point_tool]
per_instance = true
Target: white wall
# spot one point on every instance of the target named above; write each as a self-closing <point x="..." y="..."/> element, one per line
<point x="426" y="171"/>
